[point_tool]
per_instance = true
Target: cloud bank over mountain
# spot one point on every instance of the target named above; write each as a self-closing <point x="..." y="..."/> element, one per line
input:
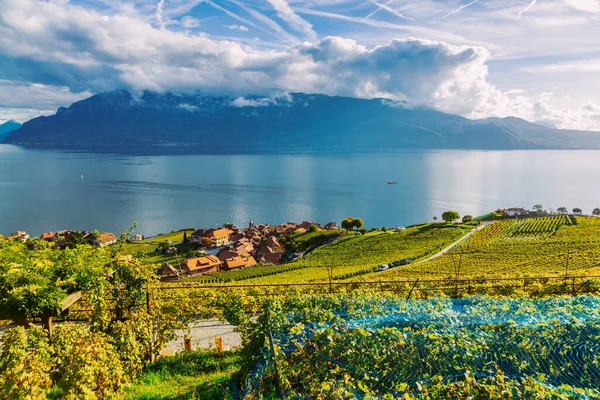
<point x="53" y="54"/>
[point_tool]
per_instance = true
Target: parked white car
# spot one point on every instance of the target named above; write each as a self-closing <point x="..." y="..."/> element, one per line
<point x="383" y="267"/>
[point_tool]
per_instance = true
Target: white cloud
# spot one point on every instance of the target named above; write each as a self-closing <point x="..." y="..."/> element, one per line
<point x="586" y="65"/>
<point x="160" y="6"/>
<point x="278" y="98"/>
<point x="529" y="7"/>
<point x="421" y="72"/>
<point x="189" y="22"/>
<point x="240" y="28"/>
<point x="592" y="6"/>
<point x="23" y="101"/>
<point x="188" y="107"/>
<point x="285" y="12"/>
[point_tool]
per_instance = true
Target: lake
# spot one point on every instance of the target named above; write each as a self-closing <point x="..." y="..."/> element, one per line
<point x="43" y="190"/>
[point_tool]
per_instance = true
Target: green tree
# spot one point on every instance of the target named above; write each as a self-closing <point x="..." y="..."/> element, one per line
<point x="347" y="223"/>
<point x="577" y="211"/>
<point x="562" y="210"/>
<point x="467" y="218"/>
<point x="450" y="216"/>
<point x="185" y="238"/>
<point x="538" y="208"/>
<point x="362" y="231"/>
<point x="357" y="223"/>
<point x="313" y="228"/>
<point x="596" y="212"/>
<point x="435" y="219"/>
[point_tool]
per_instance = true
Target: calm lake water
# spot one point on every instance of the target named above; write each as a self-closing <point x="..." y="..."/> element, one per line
<point x="42" y="190"/>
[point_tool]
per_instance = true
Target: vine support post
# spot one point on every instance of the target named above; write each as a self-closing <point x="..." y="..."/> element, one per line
<point x="149" y="311"/>
<point x="47" y="325"/>
<point x="573" y="287"/>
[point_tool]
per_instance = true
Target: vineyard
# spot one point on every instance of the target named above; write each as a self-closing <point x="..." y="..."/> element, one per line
<point x="348" y="256"/>
<point x="325" y="326"/>
<point x="369" y="347"/>
<point x="501" y="250"/>
<point x="520" y="229"/>
<point x="358" y="255"/>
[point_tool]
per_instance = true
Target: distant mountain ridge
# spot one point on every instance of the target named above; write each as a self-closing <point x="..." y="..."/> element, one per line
<point x="8" y="127"/>
<point x="297" y="121"/>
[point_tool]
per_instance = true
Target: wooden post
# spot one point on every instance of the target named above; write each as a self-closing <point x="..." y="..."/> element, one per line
<point x="187" y="343"/>
<point x="219" y="343"/>
<point x="47" y="325"/>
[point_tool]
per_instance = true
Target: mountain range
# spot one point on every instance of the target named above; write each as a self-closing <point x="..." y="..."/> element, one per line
<point x="196" y="122"/>
<point x="8" y="127"/>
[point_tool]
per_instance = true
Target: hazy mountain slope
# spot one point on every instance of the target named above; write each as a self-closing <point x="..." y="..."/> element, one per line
<point x="8" y="127"/>
<point x="314" y="122"/>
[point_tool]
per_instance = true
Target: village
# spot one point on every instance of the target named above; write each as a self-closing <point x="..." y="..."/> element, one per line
<point x="201" y="251"/>
<point x="230" y="248"/>
<point x="192" y="252"/>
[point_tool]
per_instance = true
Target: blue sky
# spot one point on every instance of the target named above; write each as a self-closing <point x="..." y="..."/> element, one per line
<point x="535" y="59"/>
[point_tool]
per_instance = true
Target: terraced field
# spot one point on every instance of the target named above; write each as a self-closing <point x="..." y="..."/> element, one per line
<point x="546" y="246"/>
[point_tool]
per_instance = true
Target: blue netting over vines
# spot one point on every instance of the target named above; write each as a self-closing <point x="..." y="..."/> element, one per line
<point x="387" y="347"/>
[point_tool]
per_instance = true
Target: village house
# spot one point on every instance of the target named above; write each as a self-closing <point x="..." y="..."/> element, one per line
<point x="271" y="258"/>
<point x="197" y="236"/>
<point x="200" y="265"/>
<point x="21" y="235"/>
<point x="332" y="226"/>
<point x="171" y="250"/>
<point x="515" y="212"/>
<point x="105" y="239"/>
<point x="136" y="238"/>
<point x="238" y="262"/>
<point x="221" y="237"/>
<point x="167" y="271"/>
<point x="48" y="236"/>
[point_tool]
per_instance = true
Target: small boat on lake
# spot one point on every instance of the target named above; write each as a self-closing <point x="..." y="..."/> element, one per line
<point x="392" y="182"/>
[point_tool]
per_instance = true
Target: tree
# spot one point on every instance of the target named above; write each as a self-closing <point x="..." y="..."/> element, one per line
<point x="206" y="242"/>
<point x="450" y="216"/>
<point x="562" y="210"/>
<point x="538" y="208"/>
<point x="577" y="211"/>
<point x="347" y="223"/>
<point x="596" y="212"/>
<point x="467" y="218"/>
<point x="185" y="238"/>
<point x="434" y="218"/>
<point x="362" y="231"/>
<point x="313" y="228"/>
<point x="357" y="223"/>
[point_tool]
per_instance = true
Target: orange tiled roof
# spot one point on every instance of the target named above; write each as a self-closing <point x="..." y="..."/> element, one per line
<point x="194" y="264"/>
<point x="221" y="233"/>
<point x="240" y="262"/>
<point x="107" y="237"/>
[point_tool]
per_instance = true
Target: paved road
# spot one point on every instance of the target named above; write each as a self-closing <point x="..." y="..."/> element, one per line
<point x="202" y="333"/>
<point x="451" y="246"/>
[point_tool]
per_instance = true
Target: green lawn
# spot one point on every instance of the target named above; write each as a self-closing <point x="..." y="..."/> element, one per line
<point x="197" y="375"/>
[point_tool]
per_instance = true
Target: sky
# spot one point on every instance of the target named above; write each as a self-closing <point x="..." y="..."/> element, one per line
<point x="534" y="59"/>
